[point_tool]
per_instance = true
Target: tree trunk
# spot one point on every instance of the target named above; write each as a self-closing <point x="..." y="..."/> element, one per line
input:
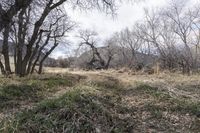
<point x="5" y="49"/>
<point x="2" y="68"/>
<point x="20" y="44"/>
<point x="46" y="55"/>
<point x="40" y="52"/>
<point x="35" y="63"/>
<point x="49" y="7"/>
<point x="34" y="54"/>
<point x="15" y="58"/>
<point x="108" y="62"/>
<point x="31" y="59"/>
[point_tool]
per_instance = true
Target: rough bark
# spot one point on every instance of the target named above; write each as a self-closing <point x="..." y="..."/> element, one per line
<point x="46" y="55"/>
<point x="21" y="43"/>
<point x="39" y="53"/>
<point x="2" y="68"/>
<point x="5" y="49"/>
<point x="34" y="54"/>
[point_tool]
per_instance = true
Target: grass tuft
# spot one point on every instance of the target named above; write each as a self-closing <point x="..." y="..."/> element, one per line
<point x="102" y="103"/>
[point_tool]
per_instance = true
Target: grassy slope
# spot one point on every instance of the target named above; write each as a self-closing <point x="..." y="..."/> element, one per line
<point x="102" y="102"/>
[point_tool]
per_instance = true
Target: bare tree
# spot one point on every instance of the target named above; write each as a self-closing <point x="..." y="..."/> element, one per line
<point x="7" y="13"/>
<point x="182" y="26"/>
<point x="30" y="24"/>
<point x="130" y="41"/>
<point x="150" y="31"/>
<point x="62" y="27"/>
<point x="88" y="39"/>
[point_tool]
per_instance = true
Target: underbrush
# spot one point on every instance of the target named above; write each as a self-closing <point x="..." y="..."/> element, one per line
<point x="15" y="91"/>
<point x="103" y="104"/>
<point x="11" y="95"/>
<point x="171" y="104"/>
<point x="76" y="111"/>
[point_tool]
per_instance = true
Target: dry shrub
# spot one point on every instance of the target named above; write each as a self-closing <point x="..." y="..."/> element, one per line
<point x="124" y="70"/>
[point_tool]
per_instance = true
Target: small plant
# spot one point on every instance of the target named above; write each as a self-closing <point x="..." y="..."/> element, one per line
<point x="156" y="111"/>
<point x="11" y="95"/>
<point x="185" y="106"/>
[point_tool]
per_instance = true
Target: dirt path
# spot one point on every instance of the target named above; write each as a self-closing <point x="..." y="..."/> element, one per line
<point x="174" y="84"/>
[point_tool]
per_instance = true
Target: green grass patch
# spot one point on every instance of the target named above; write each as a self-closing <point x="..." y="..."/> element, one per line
<point x="50" y="82"/>
<point x="155" y="110"/>
<point x="168" y="103"/>
<point x="18" y="91"/>
<point x="184" y="106"/>
<point x="76" y="111"/>
<point x="153" y="91"/>
<point x="93" y="106"/>
<point x="58" y="82"/>
<point x="11" y="95"/>
<point x="106" y="85"/>
<point x="31" y="89"/>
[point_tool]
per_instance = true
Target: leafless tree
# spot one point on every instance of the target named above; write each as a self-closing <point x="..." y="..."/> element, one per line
<point x="183" y="23"/>
<point x="129" y="40"/>
<point x="88" y="39"/>
<point x="8" y="9"/>
<point x="28" y="27"/>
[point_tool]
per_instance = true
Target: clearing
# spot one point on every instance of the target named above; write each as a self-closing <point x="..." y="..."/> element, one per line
<point x="100" y="102"/>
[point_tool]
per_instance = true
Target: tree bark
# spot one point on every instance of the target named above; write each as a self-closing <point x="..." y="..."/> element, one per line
<point x="20" y="44"/>
<point x="5" y="49"/>
<point x="108" y="62"/>
<point x="40" y="52"/>
<point x="31" y="59"/>
<point x="46" y="55"/>
<point x="2" y="68"/>
<point x="35" y="51"/>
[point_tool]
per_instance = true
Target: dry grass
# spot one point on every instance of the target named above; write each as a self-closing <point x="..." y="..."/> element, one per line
<point x="177" y="85"/>
<point x="55" y="70"/>
<point x="21" y="93"/>
<point x="108" y="101"/>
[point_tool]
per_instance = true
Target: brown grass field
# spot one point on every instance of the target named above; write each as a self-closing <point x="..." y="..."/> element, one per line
<point x="112" y="101"/>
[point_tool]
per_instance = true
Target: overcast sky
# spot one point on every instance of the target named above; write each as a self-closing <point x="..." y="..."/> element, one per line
<point x="106" y="25"/>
